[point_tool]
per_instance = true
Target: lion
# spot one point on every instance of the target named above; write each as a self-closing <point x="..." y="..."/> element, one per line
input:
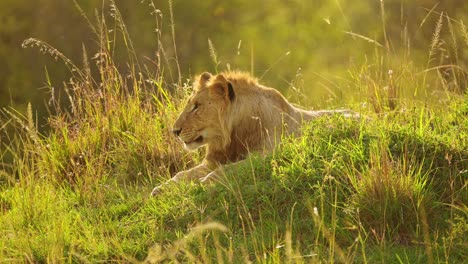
<point x="233" y="115"/>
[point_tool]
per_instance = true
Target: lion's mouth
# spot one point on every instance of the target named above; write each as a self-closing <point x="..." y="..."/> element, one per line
<point x="199" y="139"/>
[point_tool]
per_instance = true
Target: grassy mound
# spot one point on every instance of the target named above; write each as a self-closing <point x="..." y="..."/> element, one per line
<point x="342" y="189"/>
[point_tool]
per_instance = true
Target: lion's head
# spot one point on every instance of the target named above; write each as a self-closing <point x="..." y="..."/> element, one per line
<point x="204" y="118"/>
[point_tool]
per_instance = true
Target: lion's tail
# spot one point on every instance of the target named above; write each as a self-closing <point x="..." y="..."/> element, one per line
<point x="309" y="115"/>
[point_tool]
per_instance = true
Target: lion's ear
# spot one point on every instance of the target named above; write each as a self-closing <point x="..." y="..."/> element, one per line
<point x="204" y="78"/>
<point x="223" y="88"/>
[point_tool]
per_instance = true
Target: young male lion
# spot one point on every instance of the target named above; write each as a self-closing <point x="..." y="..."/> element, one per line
<point x="232" y="114"/>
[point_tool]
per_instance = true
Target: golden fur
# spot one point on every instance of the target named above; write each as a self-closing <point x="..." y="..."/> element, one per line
<point x="232" y="114"/>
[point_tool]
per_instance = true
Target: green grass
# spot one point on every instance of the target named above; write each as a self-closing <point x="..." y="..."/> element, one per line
<point x="375" y="190"/>
<point x="389" y="188"/>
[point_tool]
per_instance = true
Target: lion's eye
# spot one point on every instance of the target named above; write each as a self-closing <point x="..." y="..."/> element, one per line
<point x="195" y="107"/>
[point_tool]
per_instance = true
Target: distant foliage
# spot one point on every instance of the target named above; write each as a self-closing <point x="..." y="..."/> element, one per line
<point x="280" y="42"/>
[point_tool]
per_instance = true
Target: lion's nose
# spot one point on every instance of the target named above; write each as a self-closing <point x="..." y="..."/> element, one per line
<point x="177" y="131"/>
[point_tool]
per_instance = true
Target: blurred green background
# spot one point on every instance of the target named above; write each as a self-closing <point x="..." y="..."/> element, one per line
<point x="300" y="44"/>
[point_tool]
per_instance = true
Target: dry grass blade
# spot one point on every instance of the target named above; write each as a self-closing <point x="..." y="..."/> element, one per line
<point x="157" y="253"/>
<point x="274" y="64"/>
<point x="436" y="36"/>
<point x="115" y="13"/>
<point x="427" y="15"/>
<point x="213" y="55"/>
<point x="443" y="67"/>
<point x="46" y="48"/>
<point x="384" y="28"/>
<point x="83" y="14"/>
<point x="365" y="38"/>
<point x="179" y="73"/>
